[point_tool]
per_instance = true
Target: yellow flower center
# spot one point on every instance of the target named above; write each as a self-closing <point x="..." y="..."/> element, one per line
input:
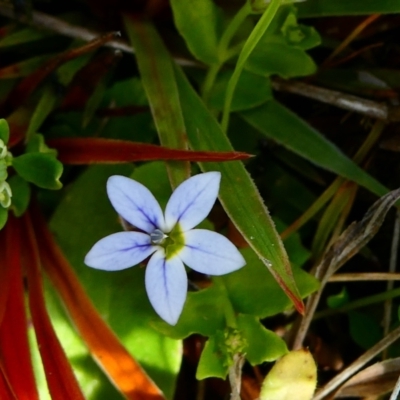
<point x="172" y="242"/>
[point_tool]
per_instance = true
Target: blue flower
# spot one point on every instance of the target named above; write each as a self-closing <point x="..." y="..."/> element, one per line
<point x="168" y="237"/>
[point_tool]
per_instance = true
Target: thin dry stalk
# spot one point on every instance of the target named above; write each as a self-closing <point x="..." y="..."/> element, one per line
<point x="357" y="364"/>
<point x="392" y="268"/>
<point x="356" y="236"/>
<point x="235" y="376"/>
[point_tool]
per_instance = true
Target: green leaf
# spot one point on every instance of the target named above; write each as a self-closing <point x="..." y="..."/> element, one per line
<point x="338" y="300"/>
<point x="256" y="34"/>
<point x="83" y="217"/>
<point x="251" y="91"/>
<point x="298" y="254"/>
<point x="23" y="36"/>
<point x="286" y="128"/>
<point x="249" y="338"/>
<point x="280" y="59"/>
<point x="21" y="194"/>
<point x="212" y="361"/>
<point x="321" y="8"/>
<point x="203" y="313"/>
<point x="156" y="70"/>
<point x="37" y="144"/>
<point x="138" y="127"/>
<point x="197" y="21"/>
<point x="41" y="169"/>
<point x="281" y="50"/>
<point x="4" y="131"/>
<point x="262" y="344"/>
<point x="238" y="194"/>
<point x="252" y="289"/>
<point x="297" y="35"/>
<point x="43" y="108"/>
<point x="3" y="216"/>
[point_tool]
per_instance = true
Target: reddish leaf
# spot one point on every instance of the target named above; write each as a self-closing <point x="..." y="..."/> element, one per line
<point x="85" y="81"/>
<point x="5" y="270"/>
<point x="6" y="392"/>
<point x="26" y="87"/>
<point x="22" y="68"/>
<point x="126" y="374"/>
<point x="97" y="150"/>
<point x="14" y="347"/>
<point x="60" y="378"/>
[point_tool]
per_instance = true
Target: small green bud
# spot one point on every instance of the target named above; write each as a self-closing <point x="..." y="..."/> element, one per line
<point x="230" y="342"/>
<point x="234" y="341"/>
<point x="5" y="194"/>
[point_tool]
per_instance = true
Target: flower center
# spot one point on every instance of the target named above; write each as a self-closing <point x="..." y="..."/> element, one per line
<point x="157" y="236"/>
<point x="172" y="243"/>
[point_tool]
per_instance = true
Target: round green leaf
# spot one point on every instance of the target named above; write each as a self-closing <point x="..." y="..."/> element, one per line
<point x="41" y="169"/>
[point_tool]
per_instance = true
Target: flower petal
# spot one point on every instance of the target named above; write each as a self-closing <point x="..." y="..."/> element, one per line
<point x="166" y="286"/>
<point x="135" y="203"/>
<point x="192" y="201"/>
<point x="210" y="253"/>
<point x="119" y="251"/>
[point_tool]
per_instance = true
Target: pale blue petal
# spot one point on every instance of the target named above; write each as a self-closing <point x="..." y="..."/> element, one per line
<point x="166" y="286"/>
<point x="210" y="253"/>
<point x="119" y="251"/>
<point x="135" y="203"/>
<point x="192" y="201"/>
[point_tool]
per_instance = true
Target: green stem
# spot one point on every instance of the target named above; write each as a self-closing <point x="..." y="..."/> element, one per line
<point x="223" y="45"/>
<point x="209" y="81"/>
<point x="251" y="42"/>
<point x="366" y="301"/>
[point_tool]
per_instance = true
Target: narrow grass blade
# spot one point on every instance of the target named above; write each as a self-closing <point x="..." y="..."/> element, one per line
<point x="278" y="123"/>
<point x="238" y="194"/>
<point x="156" y="70"/>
